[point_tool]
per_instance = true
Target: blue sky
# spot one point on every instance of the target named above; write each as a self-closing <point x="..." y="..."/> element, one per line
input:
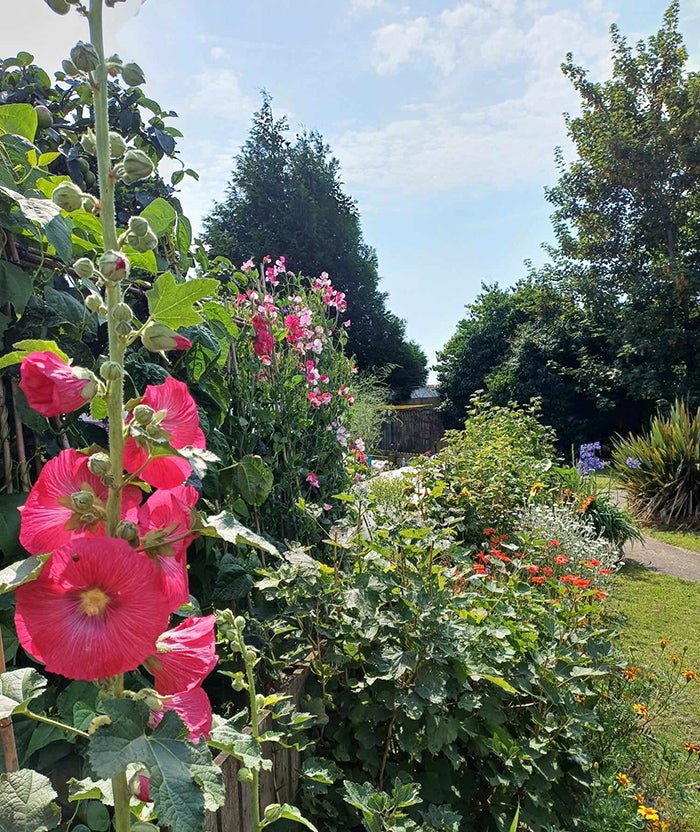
<point x="443" y="114"/>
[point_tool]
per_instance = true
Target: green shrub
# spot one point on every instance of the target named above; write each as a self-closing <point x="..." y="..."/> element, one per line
<point x="660" y="468"/>
<point x="494" y="466"/>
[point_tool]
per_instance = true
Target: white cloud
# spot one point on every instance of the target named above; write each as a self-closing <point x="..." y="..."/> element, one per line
<point x="217" y="92"/>
<point x="477" y="129"/>
<point x="217" y="52"/>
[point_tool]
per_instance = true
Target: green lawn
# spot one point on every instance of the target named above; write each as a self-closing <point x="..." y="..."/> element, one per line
<point x="686" y="540"/>
<point x="656" y="606"/>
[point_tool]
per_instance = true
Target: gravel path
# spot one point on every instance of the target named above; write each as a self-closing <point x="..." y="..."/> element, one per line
<point x="662" y="557"/>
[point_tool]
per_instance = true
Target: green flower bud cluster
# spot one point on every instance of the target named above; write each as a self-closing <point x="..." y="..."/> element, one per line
<point x="99" y="464"/>
<point x="139" y="235"/>
<point x="84" y="56"/>
<point x="68" y="197"/>
<point x="94" y="303"/>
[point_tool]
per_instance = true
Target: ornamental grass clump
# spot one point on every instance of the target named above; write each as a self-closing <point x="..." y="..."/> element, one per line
<point x="660" y="468"/>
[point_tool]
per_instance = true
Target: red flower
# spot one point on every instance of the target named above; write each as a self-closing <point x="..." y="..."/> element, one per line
<point x="538" y="579"/>
<point x="532" y="569"/>
<point x="593" y="563"/>
<point x="561" y="560"/>
<point x="194" y="709"/>
<point x="180" y="426"/>
<point x="184" y="655"/>
<point x="67" y="501"/>
<point x="606" y="571"/>
<point x="568" y="579"/>
<point x="548" y="571"/>
<point x="95" y="610"/>
<point x="554" y="543"/>
<point x="164" y="522"/>
<point x="52" y="386"/>
<point x="582" y="583"/>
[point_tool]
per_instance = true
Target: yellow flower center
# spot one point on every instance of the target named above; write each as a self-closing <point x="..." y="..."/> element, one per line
<point x="93" y="601"/>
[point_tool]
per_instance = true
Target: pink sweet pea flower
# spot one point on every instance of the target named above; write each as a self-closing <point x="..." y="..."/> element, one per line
<point x="95" y="610"/>
<point x="180" y="424"/>
<point x="312" y="480"/>
<point x="52" y="386"/>
<point x="67" y="501"/>
<point x="184" y="656"/>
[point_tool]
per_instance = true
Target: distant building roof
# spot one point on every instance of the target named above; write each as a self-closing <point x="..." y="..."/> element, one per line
<point x="429" y="391"/>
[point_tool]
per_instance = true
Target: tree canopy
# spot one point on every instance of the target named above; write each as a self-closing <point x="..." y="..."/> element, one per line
<point x="286" y="197"/>
<point x="620" y="336"/>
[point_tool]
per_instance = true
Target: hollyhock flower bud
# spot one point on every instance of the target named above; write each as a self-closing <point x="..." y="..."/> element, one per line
<point x="84" y="56"/>
<point x="158" y="337"/>
<point x="52" y="386"/>
<point x="138" y="786"/>
<point x="68" y="196"/>
<point x="89" y="204"/>
<point x="139" y="226"/>
<point x="114" y="266"/>
<point x="143" y="414"/>
<point x="82" y="500"/>
<point x="117" y="145"/>
<point x="122" y="312"/>
<point x="245" y="775"/>
<point x="93" y="303"/>
<point x="122" y="328"/>
<point x="133" y="75"/>
<point x="99" y="464"/>
<point x="145" y="242"/>
<point x="84" y="267"/>
<point x="136" y="165"/>
<point x="89" y="143"/>
<point x="111" y="371"/>
<point x="58" y="6"/>
<point x="126" y="530"/>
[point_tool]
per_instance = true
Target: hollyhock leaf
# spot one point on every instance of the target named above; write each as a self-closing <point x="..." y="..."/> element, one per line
<point x="27" y="802"/>
<point x="88" y="789"/>
<point x="225" y="526"/>
<point x="24" y="348"/>
<point x="208" y="777"/>
<point x="244" y="747"/>
<point x="275" y="812"/>
<point x="18" y="688"/>
<point x="253" y="479"/>
<point x="161" y="216"/>
<point x="177" y="796"/>
<point x="20" y="573"/>
<point x="172" y="303"/>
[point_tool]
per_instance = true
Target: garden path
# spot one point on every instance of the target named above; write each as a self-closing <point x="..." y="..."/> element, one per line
<point x="662" y="557"/>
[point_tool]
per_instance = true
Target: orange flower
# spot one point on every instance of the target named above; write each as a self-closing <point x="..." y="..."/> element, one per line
<point x="689" y="675"/>
<point x="640" y="710"/>
<point x="632" y="673"/>
<point x="648" y="813"/>
<point x="675" y="658"/>
<point x="663" y="642"/>
<point x="692" y="748"/>
<point x="623" y="779"/>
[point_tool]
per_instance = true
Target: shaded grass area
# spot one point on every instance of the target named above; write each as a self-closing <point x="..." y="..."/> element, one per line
<point x="654" y="606"/>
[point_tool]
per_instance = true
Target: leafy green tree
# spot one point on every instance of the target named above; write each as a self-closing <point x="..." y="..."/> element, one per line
<point x="625" y="218"/>
<point x="286" y="198"/>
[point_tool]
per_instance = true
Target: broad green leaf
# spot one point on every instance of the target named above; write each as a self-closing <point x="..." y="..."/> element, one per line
<point x="18" y="120"/>
<point x="27" y="801"/>
<point x="21" y="572"/>
<point x="275" y="812"/>
<point x="253" y="479"/>
<point x="145" y="260"/>
<point x="58" y="234"/>
<point x="18" y="688"/>
<point x="244" y="747"/>
<point x="40" y="211"/>
<point x="227" y="527"/>
<point x="10" y="547"/>
<point x="321" y="770"/>
<point x="161" y="216"/>
<point x="16" y="286"/>
<point x="46" y="158"/>
<point x="174" y="786"/>
<point x="172" y="303"/>
<point x="215" y="312"/>
<point x="24" y="348"/>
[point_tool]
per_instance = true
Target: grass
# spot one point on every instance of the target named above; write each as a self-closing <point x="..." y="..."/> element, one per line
<point x="686" y="540"/>
<point x="655" y="606"/>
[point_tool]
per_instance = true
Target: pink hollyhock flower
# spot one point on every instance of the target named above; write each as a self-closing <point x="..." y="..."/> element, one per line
<point x="67" y="501"/>
<point x="312" y="480"/>
<point x="158" y="337"/>
<point x="141" y="788"/>
<point x="95" y="610"/>
<point x="194" y="709"/>
<point x="184" y="656"/>
<point x="180" y="426"/>
<point x="52" y="386"/>
<point x="164" y="522"/>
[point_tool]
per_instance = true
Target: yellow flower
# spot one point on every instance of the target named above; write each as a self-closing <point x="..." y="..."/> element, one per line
<point x="623" y="779"/>
<point x="648" y="813"/>
<point x="640" y="710"/>
<point x="675" y="658"/>
<point x="538" y="486"/>
<point x="692" y="748"/>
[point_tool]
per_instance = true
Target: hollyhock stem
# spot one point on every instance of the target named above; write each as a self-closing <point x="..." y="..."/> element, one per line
<point x="115" y="395"/>
<point x="255" y="730"/>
